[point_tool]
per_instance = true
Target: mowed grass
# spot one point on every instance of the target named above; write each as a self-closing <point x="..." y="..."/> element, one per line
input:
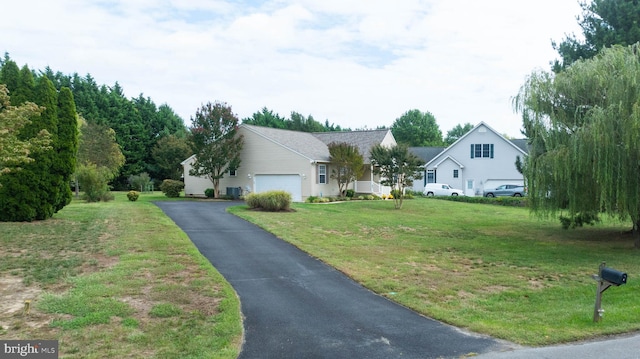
<point x="490" y="269"/>
<point x="115" y="280"/>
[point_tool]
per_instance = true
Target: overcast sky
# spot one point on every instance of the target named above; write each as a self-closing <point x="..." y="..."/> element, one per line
<point x="355" y="63"/>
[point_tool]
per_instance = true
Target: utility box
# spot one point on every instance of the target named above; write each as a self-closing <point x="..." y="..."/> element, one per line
<point x="233" y="192"/>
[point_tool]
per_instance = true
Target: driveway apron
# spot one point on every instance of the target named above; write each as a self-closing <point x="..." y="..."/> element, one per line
<point x="295" y="306"/>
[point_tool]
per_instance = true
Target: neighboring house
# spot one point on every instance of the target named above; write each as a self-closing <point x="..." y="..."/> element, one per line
<point x="479" y="160"/>
<point x="296" y="162"/>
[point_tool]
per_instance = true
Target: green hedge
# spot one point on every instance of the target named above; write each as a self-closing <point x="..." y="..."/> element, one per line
<point x="501" y="201"/>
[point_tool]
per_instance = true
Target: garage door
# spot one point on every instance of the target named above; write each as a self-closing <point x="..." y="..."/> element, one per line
<point x="288" y="183"/>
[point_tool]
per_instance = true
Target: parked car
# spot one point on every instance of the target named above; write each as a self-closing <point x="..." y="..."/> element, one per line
<point x="510" y="190"/>
<point x="441" y="189"/>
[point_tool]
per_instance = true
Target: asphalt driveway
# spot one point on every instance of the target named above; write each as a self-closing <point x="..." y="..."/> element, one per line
<point x="295" y="306"/>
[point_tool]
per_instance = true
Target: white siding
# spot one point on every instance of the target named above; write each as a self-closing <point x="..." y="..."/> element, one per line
<point x="483" y="171"/>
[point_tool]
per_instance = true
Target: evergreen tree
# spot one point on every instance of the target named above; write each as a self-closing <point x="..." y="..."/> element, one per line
<point x="26" y="87"/>
<point x="604" y="23"/>
<point x="266" y="118"/>
<point x="67" y="146"/>
<point x="10" y="76"/>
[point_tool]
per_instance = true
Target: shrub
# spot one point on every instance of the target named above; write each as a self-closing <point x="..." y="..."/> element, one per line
<point x="350" y="193"/>
<point x="272" y="201"/>
<point x="171" y="188"/>
<point x="93" y="182"/>
<point x="139" y="182"/>
<point x="252" y="200"/>
<point x="396" y="193"/>
<point x="133" y="195"/>
<point x="209" y="192"/>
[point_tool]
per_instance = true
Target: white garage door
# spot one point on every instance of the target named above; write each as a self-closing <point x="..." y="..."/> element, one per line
<point x="288" y="183"/>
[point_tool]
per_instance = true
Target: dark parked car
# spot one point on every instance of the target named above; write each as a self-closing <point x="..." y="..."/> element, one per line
<point x="510" y="190"/>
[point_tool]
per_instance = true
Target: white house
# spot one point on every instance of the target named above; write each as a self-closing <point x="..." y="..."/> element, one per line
<point x="481" y="159"/>
<point x="297" y="162"/>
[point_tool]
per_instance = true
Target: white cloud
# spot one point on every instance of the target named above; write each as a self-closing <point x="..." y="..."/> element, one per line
<point x="356" y="64"/>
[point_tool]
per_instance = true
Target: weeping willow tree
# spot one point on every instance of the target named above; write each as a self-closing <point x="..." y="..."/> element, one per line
<point x="583" y="126"/>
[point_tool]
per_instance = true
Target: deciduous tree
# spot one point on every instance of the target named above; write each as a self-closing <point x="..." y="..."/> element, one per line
<point x="168" y="153"/>
<point x="583" y="126"/>
<point x="455" y="133"/>
<point x="397" y="167"/>
<point x="14" y="150"/>
<point x="416" y="128"/>
<point x="347" y="163"/>
<point x="215" y="142"/>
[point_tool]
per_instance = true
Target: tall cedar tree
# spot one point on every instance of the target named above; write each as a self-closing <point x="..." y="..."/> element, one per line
<point x="604" y="23"/>
<point x="583" y="126"/>
<point x="33" y="192"/>
<point x="347" y="163"/>
<point x="67" y="147"/>
<point x="215" y="142"/>
<point x="397" y="167"/>
<point x="138" y="122"/>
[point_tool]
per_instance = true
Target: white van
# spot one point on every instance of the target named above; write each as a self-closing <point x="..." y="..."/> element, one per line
<point x="441" y="189"/>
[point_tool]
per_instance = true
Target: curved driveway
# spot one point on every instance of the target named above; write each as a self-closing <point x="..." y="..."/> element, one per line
<point x="295" y="306"/>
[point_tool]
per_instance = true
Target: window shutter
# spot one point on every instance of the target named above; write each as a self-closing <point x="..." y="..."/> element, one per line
<point x="472" y="150"/>
<point x="491" y="149"/>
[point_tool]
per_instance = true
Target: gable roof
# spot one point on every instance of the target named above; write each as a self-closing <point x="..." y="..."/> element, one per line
<point x="472" y="131"/>
<point x="303" y="143"/>
<point x="363" y="140"/>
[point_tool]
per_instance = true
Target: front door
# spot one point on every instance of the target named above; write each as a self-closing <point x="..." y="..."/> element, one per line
<point x="469" y="188"/>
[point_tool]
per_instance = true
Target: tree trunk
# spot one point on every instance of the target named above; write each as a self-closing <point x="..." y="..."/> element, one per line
<point x="216" y="188"/>
<point x="636" y="234"/>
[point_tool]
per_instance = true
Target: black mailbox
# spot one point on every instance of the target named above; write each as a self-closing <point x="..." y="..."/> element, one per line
<point x="613" y="276"/>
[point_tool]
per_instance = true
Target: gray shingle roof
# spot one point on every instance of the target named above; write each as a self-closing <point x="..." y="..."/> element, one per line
<point x="303" y="143"/>
<point x="521" y="143"/>
<point x="426" y="153"/>
<point x="363" y="140"/>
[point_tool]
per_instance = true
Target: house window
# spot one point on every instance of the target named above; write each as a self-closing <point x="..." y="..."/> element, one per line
<point x="484" y="150"/>
<point x="431" y="176"/>
<point x="232" y="172"/>
<point x="322" y="174"/>
<point x="455" y="173"/>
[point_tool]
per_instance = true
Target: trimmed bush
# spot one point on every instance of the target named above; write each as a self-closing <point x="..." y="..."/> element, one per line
<point x="272" y="201"/>
<point x="133" y="195"/>
<point x="350" y="193"/>
<point x="209" y="192"/>
<point x="171" y="188"/>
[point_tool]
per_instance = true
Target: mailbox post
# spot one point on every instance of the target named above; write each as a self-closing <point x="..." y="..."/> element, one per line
<point x="606" y="277"/>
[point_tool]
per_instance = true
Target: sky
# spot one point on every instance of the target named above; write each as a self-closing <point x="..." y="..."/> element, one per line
<point x="358" y="64"/>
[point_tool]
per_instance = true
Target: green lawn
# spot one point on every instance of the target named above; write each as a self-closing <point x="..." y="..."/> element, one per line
<point x="115" y="280"/>
<point x="491" y="269"/>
